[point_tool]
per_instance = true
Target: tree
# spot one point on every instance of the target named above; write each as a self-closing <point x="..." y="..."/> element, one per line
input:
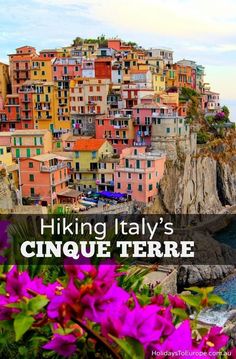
<point x="226" y="111"/>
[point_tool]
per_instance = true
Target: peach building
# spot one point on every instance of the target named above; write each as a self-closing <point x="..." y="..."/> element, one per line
<point x="138" y="173"/>
<point x="43" y="177"/>
<point x="28" y="143"/>
<point x="20" y="66"/>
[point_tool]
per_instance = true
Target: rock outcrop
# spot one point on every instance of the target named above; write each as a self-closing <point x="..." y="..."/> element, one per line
<point x="201" y="275"/>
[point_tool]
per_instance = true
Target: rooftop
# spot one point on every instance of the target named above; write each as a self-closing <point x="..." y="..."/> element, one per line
<point x="29" y="132"/>
<point x="47" y="157"/>
<point x="88" y="145"/>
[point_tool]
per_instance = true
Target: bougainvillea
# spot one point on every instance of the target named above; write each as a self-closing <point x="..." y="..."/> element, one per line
<point x="87" y="311"/>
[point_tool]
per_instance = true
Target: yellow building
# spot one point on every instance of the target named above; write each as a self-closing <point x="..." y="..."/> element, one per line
<point x="4" y="80"/>
<point x="41" y="69"/>
<point x="45" y="106"/>
<point x="10" y="166"/>
<point x="158" y="83"/>
<point x="89" y="96"/>
<point x="105" y="176"/>
<point x="87" y="156"/>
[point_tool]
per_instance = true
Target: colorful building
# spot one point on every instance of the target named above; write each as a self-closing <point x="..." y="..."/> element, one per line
<point x="132" y="94"/>
<point x="4" y="81"/>
<point x="28" y="143"/>
<point x="103" y="67"/>
<point x="43" y="177"/>
<point x="87" y="155"/>
<point x="118" y="130"/>
<point x="41" y="69"/>
<point x="88" y="96"/>
<point x="180" y="76"/>
<point x="10" y="115"/>
<point x="45" y="105"/>
<point x="139" y="173"/>
<point x="105" y="174"/>
<point x="20" y="66"/>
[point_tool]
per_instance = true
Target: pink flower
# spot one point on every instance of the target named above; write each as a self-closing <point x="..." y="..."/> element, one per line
<point x="176" y="302"/>
<point x="62" y="344"/>
<point x="213" y="341"/>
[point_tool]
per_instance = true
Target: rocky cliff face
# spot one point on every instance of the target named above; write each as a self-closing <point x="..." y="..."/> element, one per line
<point x="199" y="181"/>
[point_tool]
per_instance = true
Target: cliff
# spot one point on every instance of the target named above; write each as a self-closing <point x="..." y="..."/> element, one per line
<point x="200" y="180"/>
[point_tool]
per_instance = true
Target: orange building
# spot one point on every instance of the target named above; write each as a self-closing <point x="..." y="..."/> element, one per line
<point x="20" y="64"/>
<point x="181" y="76"/>
<point x="103" y="68"/>
<point x="43" y="177"/>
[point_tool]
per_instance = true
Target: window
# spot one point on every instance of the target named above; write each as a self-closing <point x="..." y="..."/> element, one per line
<point x="149" y="176"/>
<point x="149" y="164"/>
<point x="43" y="73"/>
<point x="138" y="164"/>
<point x="43" y="63"/>
<point x="118" y="174"/>
<point x="140" y="176"/>
<point x="91" y="88"/>
<point x="31" y="178"/>
<point x="31" y="165"/>
<point x="129" y="187"/>
<point x="129" y="175"/>
<point x="38" y="151"/>
<point x="77" y="166"/>
<point x="28" y="152"/>
<point x="58" y="144"/>
<point x="150" y="187"/>
<point x="35" y="73"/>
<point x="94" y="154"/>
<point x="140" y="188"/>
<point x="32" y="191"/>
<point x="118" y="185"/>
<point x="1" y="151"/>
<point x="168" y="130"/>
<point x="135" y="152"/>
<point x="158" y="121"/>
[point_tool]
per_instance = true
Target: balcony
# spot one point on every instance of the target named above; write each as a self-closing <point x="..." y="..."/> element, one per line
<point x="26" y="100"/>
<point x="60" y="180"/>
<point x="26" y="118"/>
<point x="86" y="170"/>
<point x="162" y="115"/>
<point x="53" y="168"/>
<point x="130" y="169"/>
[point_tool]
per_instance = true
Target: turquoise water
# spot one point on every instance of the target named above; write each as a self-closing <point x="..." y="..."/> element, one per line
<point x="227" y="289"/>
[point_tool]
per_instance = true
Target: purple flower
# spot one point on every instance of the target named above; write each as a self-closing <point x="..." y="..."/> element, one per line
<point x="76" y="269"/>
<point x="213" y="341"/>
<point x="62" y="344"/>
<point x="97" y="302"/>
<point x="16" y="283"/>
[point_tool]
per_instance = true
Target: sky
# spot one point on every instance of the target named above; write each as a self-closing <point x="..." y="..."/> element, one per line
<point x="202" y="30"/>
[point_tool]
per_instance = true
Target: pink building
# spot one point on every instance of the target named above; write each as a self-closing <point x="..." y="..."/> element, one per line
<point x="143" y="115"/>
<point x="118" y="130"/>
<point x="66" y="68"/>
<point x="138" y="173"/>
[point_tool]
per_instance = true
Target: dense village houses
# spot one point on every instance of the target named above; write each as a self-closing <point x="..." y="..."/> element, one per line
<point x="99" y="116"/>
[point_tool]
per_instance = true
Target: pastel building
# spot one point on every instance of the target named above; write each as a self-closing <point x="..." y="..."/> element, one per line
<point x="132" y="94"/>
<point x="179" y="75"/>
<point x="139" y="173"/>
<point x="117" y="129"/>
<point x="165" y="54"/>
<point x="88" y="96"/>
<point x="88" y="68"/>
<point x="28" y="143"/>
<point x="87" y="155"/>
<point x="105" y="173"/>
<point x="10" y="114"/>
<point x="43" y="177"/>
<point x="20" y="66"/>
<point x="41" y="69"/>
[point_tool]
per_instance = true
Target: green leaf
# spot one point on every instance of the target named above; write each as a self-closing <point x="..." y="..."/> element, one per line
<point x="132" y="348"/>
<point x="21" y="324"/>
<point x="194" y="289"/>
<point x="193" y="300"/>
<point x="215" y="299"/>
<point x="37" y="303"/>
<point x="180" y="313"/>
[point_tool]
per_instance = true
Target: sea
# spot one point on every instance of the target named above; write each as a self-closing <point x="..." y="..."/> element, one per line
<point x="227" y="289"/>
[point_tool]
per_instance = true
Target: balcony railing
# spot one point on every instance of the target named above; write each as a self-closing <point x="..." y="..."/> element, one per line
<point x="53" y="168"/>
<point x="60" y="180"/>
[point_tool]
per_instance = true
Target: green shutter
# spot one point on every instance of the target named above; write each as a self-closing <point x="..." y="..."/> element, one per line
<point x="14" y="141"/>
<point x="20" y="141"/>
<point x="35" y="141"/>
<point x="38" y="151"/>
<point x="17" y="152"/>
<point x="28" y="152"/>
<point x="41" y="141"/>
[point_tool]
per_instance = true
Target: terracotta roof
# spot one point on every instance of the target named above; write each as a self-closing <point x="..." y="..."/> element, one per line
<point x="92" y="144"/>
